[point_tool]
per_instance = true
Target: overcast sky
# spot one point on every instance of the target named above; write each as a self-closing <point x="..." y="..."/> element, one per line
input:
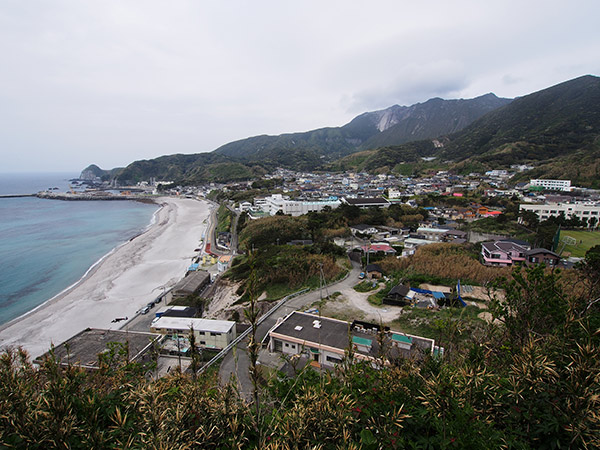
<point x="109" y="82"/>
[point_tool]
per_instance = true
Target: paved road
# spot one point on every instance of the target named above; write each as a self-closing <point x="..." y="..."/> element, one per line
<point x="236" y="363"/>
<point x="234" y="225"/>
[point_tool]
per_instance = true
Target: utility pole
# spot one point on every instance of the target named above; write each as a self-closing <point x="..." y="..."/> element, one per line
<point x="178" y="351"/>
<point x="322" y="283"/>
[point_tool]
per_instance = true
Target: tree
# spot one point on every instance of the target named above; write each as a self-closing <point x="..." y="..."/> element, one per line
<point x="194" y="353"/>
<point x="534" y="304"/>
<point x="589" y="270"/>
<point x="529" y="218"/>
<point x="350" y="212"/>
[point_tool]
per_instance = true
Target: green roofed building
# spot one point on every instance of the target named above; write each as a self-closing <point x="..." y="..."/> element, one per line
<point x="325" y="341"/>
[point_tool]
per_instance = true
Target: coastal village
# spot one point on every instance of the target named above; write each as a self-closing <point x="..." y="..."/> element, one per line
<point x="198" y="322"/>
<point x="300" y="225"/>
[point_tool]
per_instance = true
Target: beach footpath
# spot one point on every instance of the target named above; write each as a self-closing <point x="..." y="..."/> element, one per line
<point x="119" y="284"/>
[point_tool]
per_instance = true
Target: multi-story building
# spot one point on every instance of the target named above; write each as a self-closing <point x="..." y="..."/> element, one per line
<point x="583" y="211"/>
<point x="277" y="202"/>
<point x="503" y="253"/>
<point x="552" y="185"/>
<point x="208" y="333"/>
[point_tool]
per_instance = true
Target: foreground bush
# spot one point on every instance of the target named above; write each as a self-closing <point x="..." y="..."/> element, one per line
<point x="527" y="383"/>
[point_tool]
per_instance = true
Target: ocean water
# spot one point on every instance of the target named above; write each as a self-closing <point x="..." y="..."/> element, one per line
<point x="48" y="245"/>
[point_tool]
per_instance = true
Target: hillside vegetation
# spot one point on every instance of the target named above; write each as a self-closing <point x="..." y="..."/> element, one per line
<point x="556" y="129"/>
<point x="311" y="150"/>
<point x="448" y="262"/>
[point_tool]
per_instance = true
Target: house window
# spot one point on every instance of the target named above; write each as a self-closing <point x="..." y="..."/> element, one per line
<point x="287" y="345"/>
<point x="496" y="256"/>
<point x="202" y="342"/>
<point x="333" y="359"/>
<point x="215" y="334"/>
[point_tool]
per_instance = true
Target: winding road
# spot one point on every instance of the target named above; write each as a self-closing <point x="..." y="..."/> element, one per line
<point x="236" y="363"/>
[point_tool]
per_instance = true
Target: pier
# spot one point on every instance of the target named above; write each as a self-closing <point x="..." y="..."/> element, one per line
<point x="99" y="195"/>
<point x="17" y="195"/>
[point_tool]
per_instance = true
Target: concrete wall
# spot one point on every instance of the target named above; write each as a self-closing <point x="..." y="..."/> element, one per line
<point x="473" y="237"/>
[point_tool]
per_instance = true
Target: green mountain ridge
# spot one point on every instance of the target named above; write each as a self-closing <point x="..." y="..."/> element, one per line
<point x="92" y="171"/>
<point x="556" y="129"/>
<point x="250" y="157"/>
<point x="434" y="118"/>
<point x="391" y="126"/>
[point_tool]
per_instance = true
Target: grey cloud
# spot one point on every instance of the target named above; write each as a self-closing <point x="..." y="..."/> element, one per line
<point x="415" y="83"/>
<point x="110" y="82"/>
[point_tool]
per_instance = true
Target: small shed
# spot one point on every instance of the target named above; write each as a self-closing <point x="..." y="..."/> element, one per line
<point x="191" y="284"/>
<point x="374" y="271"/>
<point x="398" y="296"/>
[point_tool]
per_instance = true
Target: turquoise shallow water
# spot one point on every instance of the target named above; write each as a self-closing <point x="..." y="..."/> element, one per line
<point x="47" y="245"/>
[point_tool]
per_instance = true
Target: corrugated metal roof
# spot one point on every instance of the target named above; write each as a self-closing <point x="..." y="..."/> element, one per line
<point x="362" y="341"/>
<point x="401" y="338"/>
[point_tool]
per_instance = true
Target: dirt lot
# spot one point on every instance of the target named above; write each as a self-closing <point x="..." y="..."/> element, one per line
<point x="350" y="305"/>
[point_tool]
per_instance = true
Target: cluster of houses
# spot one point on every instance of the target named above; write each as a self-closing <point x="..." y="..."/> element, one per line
<point x="386" y="240"/>
<point x="325" y="341"/>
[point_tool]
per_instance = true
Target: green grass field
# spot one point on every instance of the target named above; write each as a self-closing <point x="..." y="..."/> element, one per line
<point x="585" y="241"/>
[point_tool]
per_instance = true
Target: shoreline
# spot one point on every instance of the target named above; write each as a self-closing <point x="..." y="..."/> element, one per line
<point x="118" y="283"/>
<point x="88" y="273"/>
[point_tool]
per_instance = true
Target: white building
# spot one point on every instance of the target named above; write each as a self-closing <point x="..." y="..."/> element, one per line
<point x="552" y="185"/>
<point x="325" y="341"/>
<point x="583" y="211"/>
<point x="394" y="193"/>
<point x="209" y="333"/>
<point x="497" y="173"/>
<point x="432" y="234"/>
<point x="411" y="245"/>
<point x="245" y="206"/>
<point x="278" y="202"/>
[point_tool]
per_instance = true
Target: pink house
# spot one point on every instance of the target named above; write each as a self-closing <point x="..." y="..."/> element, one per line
<point x="504" y="253"/>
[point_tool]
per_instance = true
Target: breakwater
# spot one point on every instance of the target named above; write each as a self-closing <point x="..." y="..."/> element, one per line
<point x="85" y="196"/>
<point x="17" y="195"/>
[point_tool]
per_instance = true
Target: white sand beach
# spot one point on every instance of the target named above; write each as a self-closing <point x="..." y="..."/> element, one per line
<point x="125" y="280"/>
